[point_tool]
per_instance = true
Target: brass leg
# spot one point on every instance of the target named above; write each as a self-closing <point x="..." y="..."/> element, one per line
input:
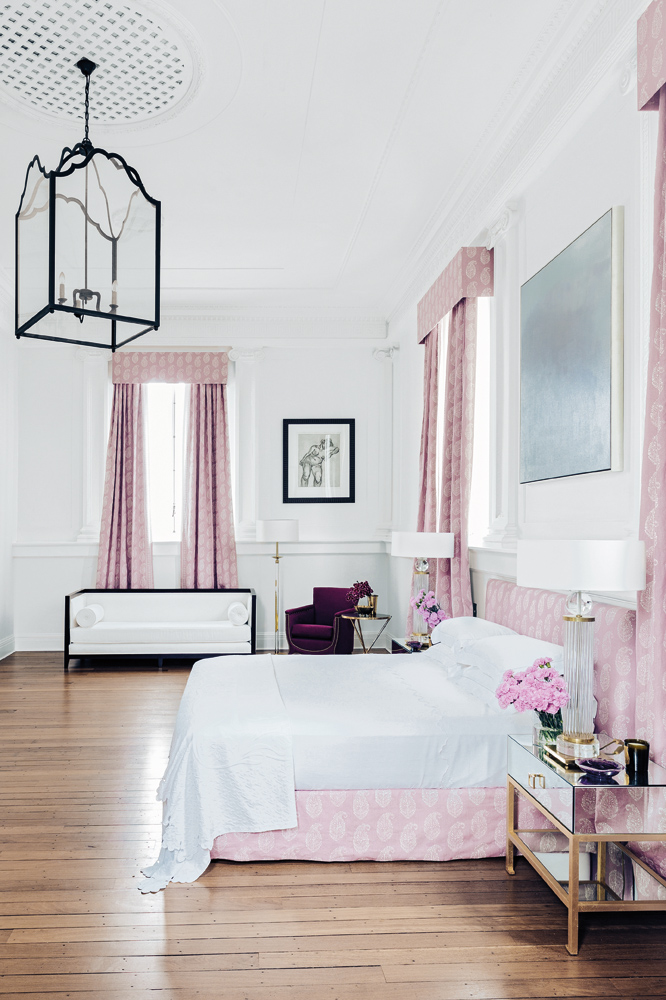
<point x="510" y="826"/>
<point x="357" y="628"/>
<point x="574" y="859"/>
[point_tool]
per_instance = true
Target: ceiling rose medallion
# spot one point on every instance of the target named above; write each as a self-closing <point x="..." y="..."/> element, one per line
<point x="87" y="248"/>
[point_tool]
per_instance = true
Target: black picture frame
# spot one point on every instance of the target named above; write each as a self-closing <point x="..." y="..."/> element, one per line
<point x="297" y="492"/>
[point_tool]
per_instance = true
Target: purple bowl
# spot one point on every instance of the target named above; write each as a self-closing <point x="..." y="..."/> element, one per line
<point x="599" y="767"/>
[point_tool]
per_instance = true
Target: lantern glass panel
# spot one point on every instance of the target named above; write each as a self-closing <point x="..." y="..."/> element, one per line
<point x="106" y="232"/>
<point x="33" y="246"/>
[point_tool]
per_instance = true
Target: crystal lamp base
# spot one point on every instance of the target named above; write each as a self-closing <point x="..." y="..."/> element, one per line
<point x="577" y="746"/>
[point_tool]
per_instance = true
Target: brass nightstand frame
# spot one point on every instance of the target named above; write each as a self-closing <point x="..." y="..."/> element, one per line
<point x="571" y="898"/>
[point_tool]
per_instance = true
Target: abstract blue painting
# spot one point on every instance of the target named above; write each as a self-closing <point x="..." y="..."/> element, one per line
<point x="571" y="358"/>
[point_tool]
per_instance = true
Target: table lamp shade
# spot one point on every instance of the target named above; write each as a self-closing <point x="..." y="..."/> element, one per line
<point x="581" y="564"/>
<point x="422" y="544"/>
<point x="280" y="530"/>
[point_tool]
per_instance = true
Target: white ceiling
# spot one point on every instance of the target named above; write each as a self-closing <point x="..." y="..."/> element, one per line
<point x="306" y="164"/>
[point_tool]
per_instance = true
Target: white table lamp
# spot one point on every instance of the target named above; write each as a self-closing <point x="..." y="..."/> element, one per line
<point x="278" y="530"/>
<point x="578" y="566"/>
<point x="421" y="545"/>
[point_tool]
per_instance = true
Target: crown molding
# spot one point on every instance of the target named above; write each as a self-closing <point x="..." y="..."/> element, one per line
<point x="210" y="328"/>
<point x="530" y="119"/>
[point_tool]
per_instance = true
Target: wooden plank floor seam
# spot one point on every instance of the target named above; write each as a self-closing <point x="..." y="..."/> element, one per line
<point x="80" y="759"/>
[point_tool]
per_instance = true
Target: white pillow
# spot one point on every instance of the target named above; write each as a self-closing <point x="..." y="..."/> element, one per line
<point x="237" y="613"/>
<point x="495" y="655"/>
<point x="455" y="631"/>
<point x="89" y="616"/>
<point x="441" y="655"/>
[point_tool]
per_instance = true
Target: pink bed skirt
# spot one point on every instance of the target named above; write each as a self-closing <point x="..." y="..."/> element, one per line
<point x="422" y="824"/>
<point x="426" y="824"/>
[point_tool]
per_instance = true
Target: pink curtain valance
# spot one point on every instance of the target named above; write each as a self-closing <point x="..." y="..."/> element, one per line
<point x="195" y="367"/>
<point x="470" y="274"/>
<point x="651" y="59"/>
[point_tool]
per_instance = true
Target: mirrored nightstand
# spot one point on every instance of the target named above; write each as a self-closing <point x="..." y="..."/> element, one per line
<point x="623" y="811"/>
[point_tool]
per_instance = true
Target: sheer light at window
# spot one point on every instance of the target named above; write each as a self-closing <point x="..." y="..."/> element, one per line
<point x="165" y="406"/>
<point x="479" y="504"/>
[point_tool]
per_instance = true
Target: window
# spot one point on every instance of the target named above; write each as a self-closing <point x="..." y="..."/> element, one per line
<point x="165" y="434"/>
<point x="479" y="503"/>
<point x="480" y="487"/>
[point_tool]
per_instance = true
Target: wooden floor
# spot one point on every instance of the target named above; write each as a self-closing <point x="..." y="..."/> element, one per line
<point x="81" y="756"/>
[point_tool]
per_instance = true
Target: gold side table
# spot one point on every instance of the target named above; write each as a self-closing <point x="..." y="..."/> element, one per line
<point x="357" y="621"/>
<point x="582" y="812"/>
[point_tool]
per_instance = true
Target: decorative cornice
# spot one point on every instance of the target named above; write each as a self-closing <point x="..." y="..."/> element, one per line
<point x="248" y="355"/>
<point x="527" y="123"/>
<point x="508" y="218"/>
<point x="215" y="327"/>
<point x="385" y="353"/>
<point x="627" y="80"/>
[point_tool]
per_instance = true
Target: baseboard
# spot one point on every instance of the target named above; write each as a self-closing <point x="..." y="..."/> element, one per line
<point x="7" y="646"/>
<point x="38" y="642"/>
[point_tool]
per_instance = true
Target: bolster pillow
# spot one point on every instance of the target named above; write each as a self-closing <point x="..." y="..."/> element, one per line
<point x="87" y="617"/>
<point x="237" y="613"/>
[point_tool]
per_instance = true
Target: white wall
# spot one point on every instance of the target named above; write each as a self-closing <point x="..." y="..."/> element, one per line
<point x="567" y="153"/>
<point x="603" y="157"/>
<point x="7" y="465"/>
<point x="62" y="402"/>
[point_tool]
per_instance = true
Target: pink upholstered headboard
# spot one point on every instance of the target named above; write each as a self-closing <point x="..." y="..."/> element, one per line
<point x="538" y="613"/>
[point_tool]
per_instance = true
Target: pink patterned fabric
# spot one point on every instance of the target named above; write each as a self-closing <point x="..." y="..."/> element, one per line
<point x="651" y="65"/>
<point x="451" y="576"/>
<point x="538" y="613"/>
<point x="423" y="824"/>
<point x="469" y="275"/>
<point x="208" y="548"/>
<point x="196" y="367"/>
<point x="125" y="560"/>
<point x="651" y="646"/>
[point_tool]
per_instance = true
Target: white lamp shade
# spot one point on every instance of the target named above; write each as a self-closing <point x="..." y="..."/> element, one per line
<point x="573" y="564"/>
<point x="285" y="530"/>
<point x="422" y="544"/>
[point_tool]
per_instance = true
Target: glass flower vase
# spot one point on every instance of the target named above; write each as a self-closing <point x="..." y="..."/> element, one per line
<point x="546" y="728"/>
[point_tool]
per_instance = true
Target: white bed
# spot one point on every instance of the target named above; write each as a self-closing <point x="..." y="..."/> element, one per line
<point x="255" y="733"/>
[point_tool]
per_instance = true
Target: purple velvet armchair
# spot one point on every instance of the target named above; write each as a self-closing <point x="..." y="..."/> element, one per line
<point x="318" y="627"/>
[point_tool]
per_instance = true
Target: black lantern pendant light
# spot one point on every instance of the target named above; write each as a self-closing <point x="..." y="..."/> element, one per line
<point x="87" y="248"/>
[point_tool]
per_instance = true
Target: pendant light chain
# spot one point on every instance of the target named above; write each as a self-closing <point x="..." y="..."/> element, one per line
<point x="86" y="137"/>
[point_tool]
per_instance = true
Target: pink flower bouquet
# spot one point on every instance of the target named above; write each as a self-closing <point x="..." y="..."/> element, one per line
<point x="539" y="688"/>
<point x="428" y="607"/>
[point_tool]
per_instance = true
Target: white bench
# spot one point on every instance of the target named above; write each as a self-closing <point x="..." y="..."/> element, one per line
<point x="159" y="623"/>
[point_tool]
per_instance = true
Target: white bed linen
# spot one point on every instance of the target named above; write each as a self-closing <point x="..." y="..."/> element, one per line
<point x="390" y="722"/>
<point x="230" y="765"/>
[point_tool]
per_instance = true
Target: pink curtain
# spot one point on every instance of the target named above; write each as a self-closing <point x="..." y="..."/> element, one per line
<point x="208" y="548"/>
<point x="125" y="560"/>
<point x="651" y="613"/>
<point x="426" y="519"/>
<point x="450" y="577"/>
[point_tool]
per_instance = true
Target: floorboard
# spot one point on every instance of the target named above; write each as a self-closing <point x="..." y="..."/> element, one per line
<point x="81" y="755"/>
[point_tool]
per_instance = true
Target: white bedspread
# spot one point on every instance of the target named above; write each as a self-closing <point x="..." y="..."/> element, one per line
<point x="230" y="765"/>
<point x="390" y="722"/>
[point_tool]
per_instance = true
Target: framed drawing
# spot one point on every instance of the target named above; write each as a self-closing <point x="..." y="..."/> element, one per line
<point x="571" y="358"/>
<point x="318" y="461"/>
